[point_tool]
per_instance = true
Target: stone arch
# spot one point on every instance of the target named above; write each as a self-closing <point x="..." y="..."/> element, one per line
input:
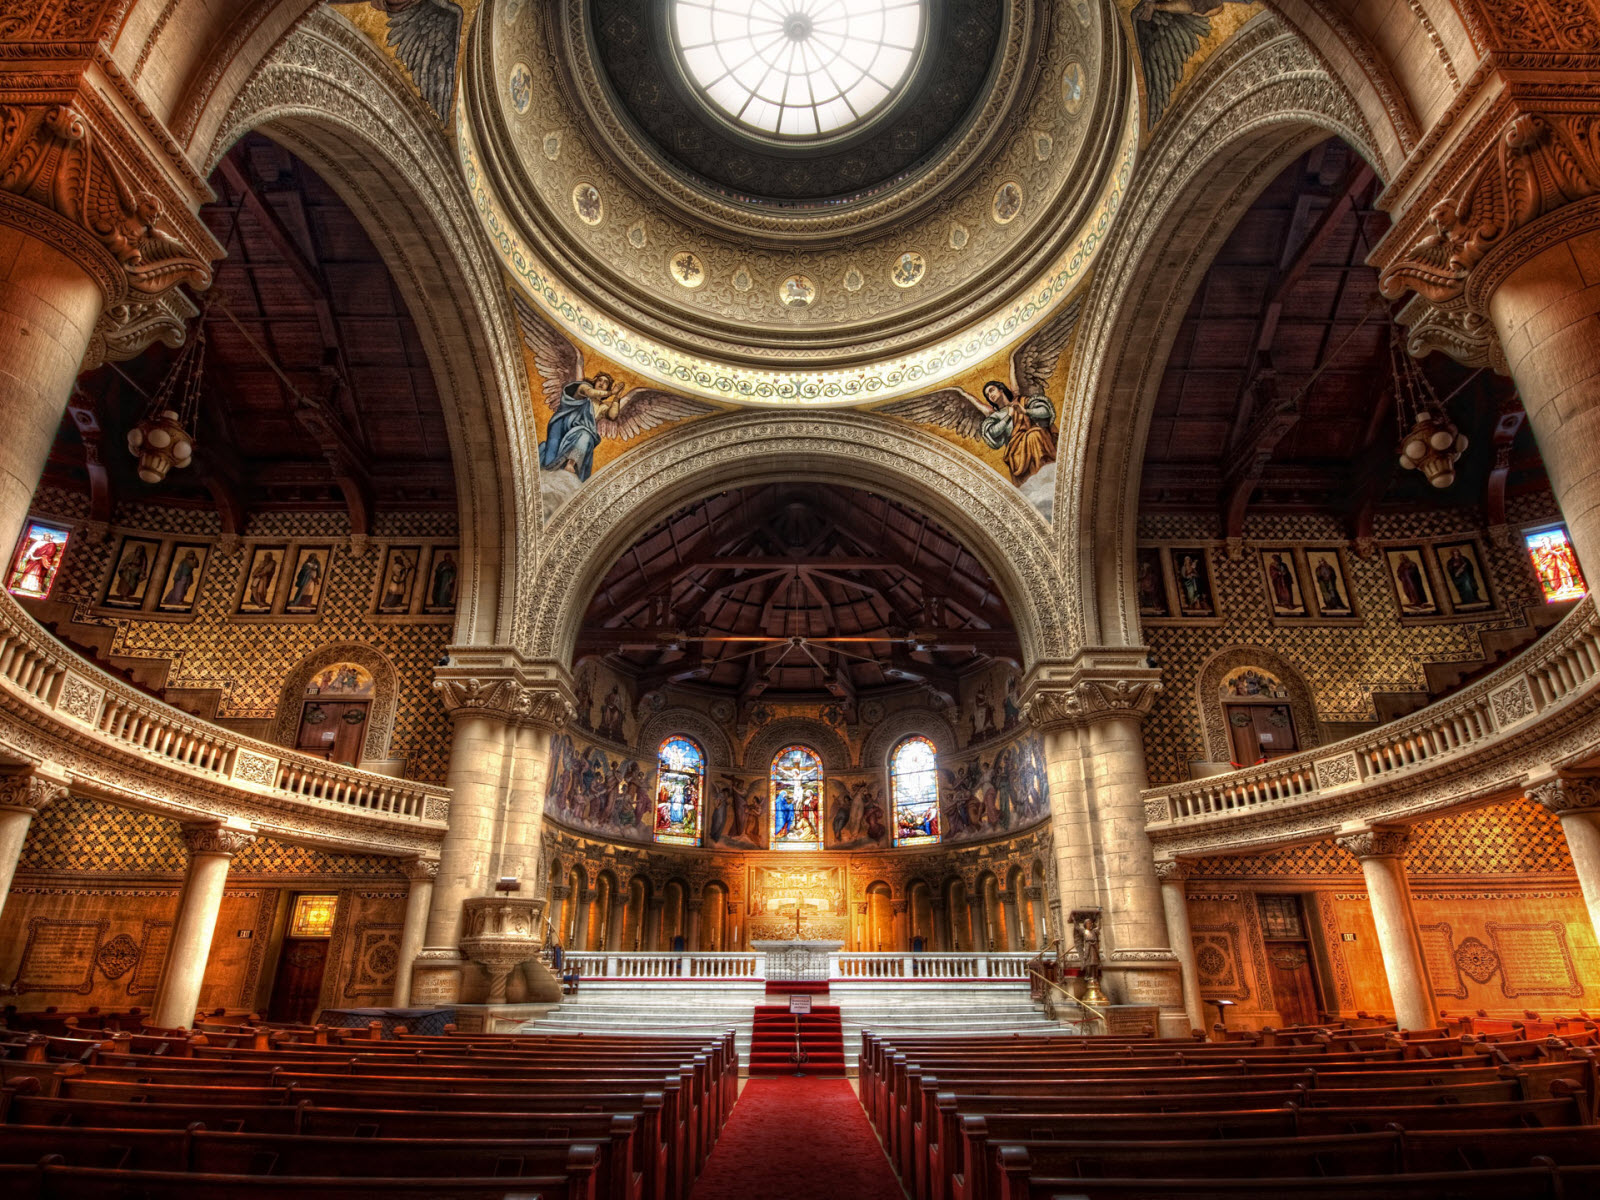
<point x="807" y="731"/>
<point x="710" y="736"/>
<point x="1208" y="695"/>
<point x="887" y="734"/>
<point x="329" y="95"/>
<point x="849" y="449"/>
<point x="385" y="691"/>
<point x="1257" y="104"/>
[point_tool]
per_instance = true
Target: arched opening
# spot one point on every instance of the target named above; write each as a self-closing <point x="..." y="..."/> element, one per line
<point x="877" y="932"/>
<point x="797" y="778"/>
<point x="715" y="927"/>
<point x="991" y="933"/>
<point x="633" y="917"/>
<point x="674" y="917"/>
<point x="914" y="791"/>
<point x="959" y="916"/>
<point x="680" y="791"/>
<point x="575" y="918"/>
<point x="919" y="915"/>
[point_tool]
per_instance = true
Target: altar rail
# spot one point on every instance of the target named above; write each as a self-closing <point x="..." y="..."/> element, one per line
<point x="97" y="727"/>
<point x="1477" y="740"/>
<point x="752" y="965"/>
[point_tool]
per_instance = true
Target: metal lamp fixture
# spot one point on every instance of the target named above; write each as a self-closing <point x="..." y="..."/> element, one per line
<point x="161" y="440"/>
<point x="1432" y="444"/>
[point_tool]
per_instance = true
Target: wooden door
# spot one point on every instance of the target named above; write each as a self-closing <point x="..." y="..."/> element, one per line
<point x="1261" y="731"/>
<point x="333" y="729"/>
<point x="1294" y="989"/>
<point x="297" y="989"/>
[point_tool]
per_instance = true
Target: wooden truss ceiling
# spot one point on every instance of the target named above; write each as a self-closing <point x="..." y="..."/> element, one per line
<point x="798" y="590"/>
<point x="1278" y="397"/>
<point x="317" y="393"/>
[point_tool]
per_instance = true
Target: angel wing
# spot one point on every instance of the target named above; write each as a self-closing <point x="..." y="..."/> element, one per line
<point x="556" y="359"/>
<point x="426" y="36"/>
<point x="1167" y="40"/>
<point x="1035" y="360"/>
<point x="645" y="408"/>
<point x="950" y="408"/>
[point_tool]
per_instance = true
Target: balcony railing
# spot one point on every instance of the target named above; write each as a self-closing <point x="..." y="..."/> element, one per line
<point x="1473" y="736"/>
<point x="842" y="967"/>
<point x="51" y="690"/>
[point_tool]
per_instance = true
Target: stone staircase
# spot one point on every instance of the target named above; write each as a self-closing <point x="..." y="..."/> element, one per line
<point x="668" y="1007"/>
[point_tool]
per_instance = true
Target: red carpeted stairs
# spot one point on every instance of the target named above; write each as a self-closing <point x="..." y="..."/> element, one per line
<point x="772" y="1042"/>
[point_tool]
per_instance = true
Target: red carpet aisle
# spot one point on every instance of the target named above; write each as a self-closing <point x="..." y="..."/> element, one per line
<point x="797" y="1139"/>
<point x="772" y="1042"/>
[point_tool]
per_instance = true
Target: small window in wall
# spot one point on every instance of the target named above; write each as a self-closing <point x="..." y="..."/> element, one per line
<point x="796" y="799"/>
<point x="680" y="782"/>
<point x="914" y="784"/>
<point x="37" y="560"/>
<point x="1556" y="564"/>
<point x="313" y="916"/>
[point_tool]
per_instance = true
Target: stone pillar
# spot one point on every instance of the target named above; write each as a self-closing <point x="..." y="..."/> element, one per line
<point x="1041" y="926"/>
<point x="1013" y="920"/>
<point x="902" y="925"/>
<point x="619" y="908"/>
<point x="478" y="761"/>
<point x="978" y="920"/>
<point x="584" y="899"/>
<point x="21" y="797"/>
<point x="1576" y="801"/>
<point x="652" y="929"/>
<point x="555" y="914"/>
<point x="211" y="849"/>
<point x="529" y="783"/>
<point x="691" y="939"/>
<point x="421" y="872"/>
<point x="939" y="917"/>
<point x="1381" y="852"/>
<point x="1175" y="900"/>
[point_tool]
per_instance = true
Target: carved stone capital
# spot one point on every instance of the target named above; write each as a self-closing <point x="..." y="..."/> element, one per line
<point x="505" y="697"/>
<point x="1523" y="180"/>
<point x="216" y="839"/>
<point x="898" y="907"/>
<point x="1567" y="794"/>
<point x="561" y="892"/>
<point x="1086" y="698"/>
<point x="29" y="792"/>
<point x="1170" y="870"/>
<point x="420" y="870"/>
<point x="1388" y="841"/>
<point x="1034" y="894"/>
<point x="1466" y="336"/>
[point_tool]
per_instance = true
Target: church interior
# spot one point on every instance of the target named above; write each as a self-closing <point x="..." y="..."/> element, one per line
<point x="691" y="599"/>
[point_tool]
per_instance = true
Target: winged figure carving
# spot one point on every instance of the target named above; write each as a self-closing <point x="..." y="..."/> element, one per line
<point x="1169" y="34"/>
<point x="1016" y="418"/>
<point x="425" y="35"/>
<point x="586" y="409"/>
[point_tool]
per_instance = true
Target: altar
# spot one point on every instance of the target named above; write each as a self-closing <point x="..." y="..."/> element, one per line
<point x="799" y="961"/>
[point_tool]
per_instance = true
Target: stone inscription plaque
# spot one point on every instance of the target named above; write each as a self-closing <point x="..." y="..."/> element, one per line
<point x="157" y="937"/>
<point x="1439" y="953"/>
<point x="1534" y="960"/>
<point x="60" y="956"/>
<point x="435" y="988"/>
<point x="1132" y="1020"/>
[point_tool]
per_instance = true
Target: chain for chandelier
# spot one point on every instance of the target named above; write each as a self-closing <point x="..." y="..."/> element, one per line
<point x="1430" y="442"/>
<point x="161" y="440"/>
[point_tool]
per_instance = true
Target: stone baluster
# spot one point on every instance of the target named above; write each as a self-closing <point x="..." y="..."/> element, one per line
<point x="22" y="795"/>
<point x="1575" y="801"/>
<point x="1381" y="852"/>
<point x="211" y="849"/>
<point x="421" y="872"/>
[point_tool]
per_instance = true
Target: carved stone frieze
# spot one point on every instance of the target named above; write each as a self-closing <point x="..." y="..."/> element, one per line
<point x="29" y="791"/>
<point x="1568" y="793"/>
<point x="216" y="839"/>
<point x="507" y="700"/>
<point x="1378" y="842"/>
<point x="1082" y="701"/>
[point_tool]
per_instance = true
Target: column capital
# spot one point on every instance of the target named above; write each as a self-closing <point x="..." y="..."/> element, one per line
<point x="500" y="685"/>
<point x="1072" y="695"/>
<point x="29" y="792"/>
<point x="898" y="907"/>
<point x="1386" y="841"/>
<point x="561" y="891"/>
<point x="420" y="870"/>
<point x="216" y="839"/>
<point x="1033" y="893"/>
<point x="1171" y="870"/>
<point x="1567" y="793"/>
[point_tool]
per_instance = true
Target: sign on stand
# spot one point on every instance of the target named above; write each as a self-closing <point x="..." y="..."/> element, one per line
<point x="800" y="1005"/>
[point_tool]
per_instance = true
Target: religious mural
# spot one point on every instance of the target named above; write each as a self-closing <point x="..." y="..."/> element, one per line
<point x="736" y="813"/>
<point x="605" y="703"/>
<point x="591" y="413"/>
<point x="36" y="560"/>
<point x="600" y="791"/>
<point x="1175" y="37"/>
<point x="1000" y="790"/>
<point x="990" y="705"/>
<point x="422" y="36"/>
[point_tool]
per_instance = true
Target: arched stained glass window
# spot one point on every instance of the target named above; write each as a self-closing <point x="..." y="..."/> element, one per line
<point x="796" y="799"/>
<point x="680" y="782"/>
<point x="914" y="786"/>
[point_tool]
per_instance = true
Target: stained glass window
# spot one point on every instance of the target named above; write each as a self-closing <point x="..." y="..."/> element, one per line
<point x="1556" y="564"/>
<point x="796" y="799"/>
<point x="914" y="784"/>
<point x="38" y="558"/>
<point x="313" y="916"/>
<point x="680" y="780"/>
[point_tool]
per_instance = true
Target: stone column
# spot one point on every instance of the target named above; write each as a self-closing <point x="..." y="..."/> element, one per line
<point x="529" y="783"/>
<point x="21" y="797"/>
<point x="584" y="899"/>
<point x="477" y="778"/>
<point x="555" y="915"/>
<point x="1175" y="900"/>
<point x="691" y="940"/>
<point x="1041" y="926"/>
<point x="1013" y="921"/>
<point x="1381" y="852"/>
<point x="1576" y="801"/>
<point x="902" y="925"/>
<point x="978" y="920"/>
<point x="619" y="908"/>
<point x="939" y="917"/>
<point x="421" y="872"/>
<point x="652" y="929"/>
<point x="211" y="849"/>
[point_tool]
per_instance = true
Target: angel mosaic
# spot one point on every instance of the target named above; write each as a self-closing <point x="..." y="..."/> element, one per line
<point x="425" y="36"/>
<point x="1169" y="33"/>
<point x="586" y="409"/>
<point x="1017" y="419"/>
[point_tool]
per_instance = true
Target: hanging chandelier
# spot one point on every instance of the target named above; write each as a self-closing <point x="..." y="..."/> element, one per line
<point x="161" y="440"/>
<point x="1429" y="439"/>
